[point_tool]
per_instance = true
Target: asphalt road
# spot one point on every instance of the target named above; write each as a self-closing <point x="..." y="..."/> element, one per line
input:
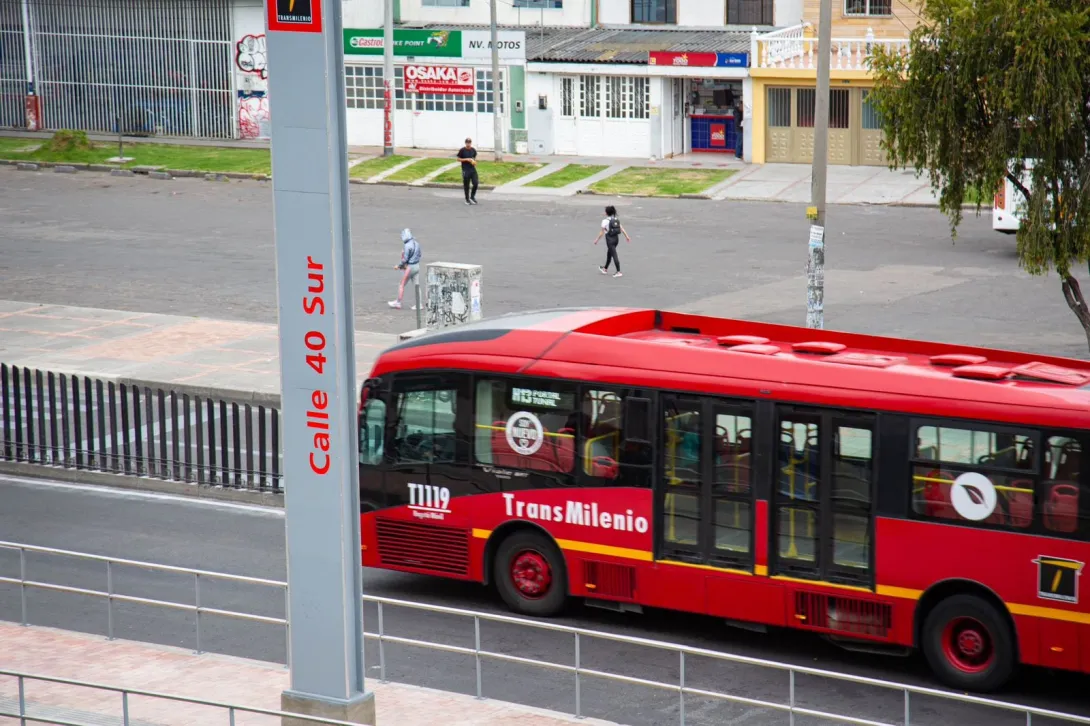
<point x="192" y="247"/>
<point x="250" y="541"/>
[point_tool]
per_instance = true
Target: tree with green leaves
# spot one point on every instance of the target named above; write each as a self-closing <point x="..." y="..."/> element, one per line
<point x="990" y="90"/>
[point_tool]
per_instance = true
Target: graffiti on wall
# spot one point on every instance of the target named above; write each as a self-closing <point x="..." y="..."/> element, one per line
<point x="251" y="56"/>
<point x="253" y="117"/>
<point x="251" y="61"/>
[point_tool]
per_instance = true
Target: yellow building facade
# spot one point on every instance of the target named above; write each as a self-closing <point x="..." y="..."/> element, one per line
<point x="783" y="74"/>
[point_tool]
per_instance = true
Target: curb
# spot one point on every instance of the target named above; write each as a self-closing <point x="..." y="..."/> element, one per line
<point x="141" y="483"/>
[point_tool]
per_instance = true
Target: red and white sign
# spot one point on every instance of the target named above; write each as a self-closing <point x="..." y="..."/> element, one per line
<point x="440" y="79"/>
<point x="719" y="135"/>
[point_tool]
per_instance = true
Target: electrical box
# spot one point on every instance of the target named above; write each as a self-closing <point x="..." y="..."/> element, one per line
<point x="518" y="106"/>
<point x="542" y="102"/>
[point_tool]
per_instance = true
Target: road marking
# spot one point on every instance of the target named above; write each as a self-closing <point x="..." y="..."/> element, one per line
<point x="256" y="509"/>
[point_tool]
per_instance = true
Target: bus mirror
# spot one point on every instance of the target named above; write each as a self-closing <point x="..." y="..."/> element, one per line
<point x="637" y="420"/>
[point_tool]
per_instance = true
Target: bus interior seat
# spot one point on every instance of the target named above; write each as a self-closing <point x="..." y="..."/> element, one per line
<point x="936" y="495"/>
<point x="1061" y="507"/>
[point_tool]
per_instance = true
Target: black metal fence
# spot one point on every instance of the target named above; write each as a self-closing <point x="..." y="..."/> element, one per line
<point x="84" y="423"/>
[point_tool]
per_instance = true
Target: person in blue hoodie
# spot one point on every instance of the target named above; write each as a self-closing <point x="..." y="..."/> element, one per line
<point x="410" y="263"/>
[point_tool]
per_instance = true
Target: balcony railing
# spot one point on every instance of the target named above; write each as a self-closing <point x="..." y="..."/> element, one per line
<point x="795" y="48"/>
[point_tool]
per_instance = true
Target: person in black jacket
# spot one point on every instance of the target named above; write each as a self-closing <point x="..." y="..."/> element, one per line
<point x="612" y="229"/>
<point x="468" y="156"/>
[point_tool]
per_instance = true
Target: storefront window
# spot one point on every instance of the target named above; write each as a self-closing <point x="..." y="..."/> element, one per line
<point x="716" y="97"/>
<point x="363" y="88"/>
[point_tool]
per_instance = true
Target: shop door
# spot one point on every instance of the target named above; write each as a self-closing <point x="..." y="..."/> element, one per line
<point x="869" y="151"/>
<point x="677" y="125"/>
<point x="565" y="133"/>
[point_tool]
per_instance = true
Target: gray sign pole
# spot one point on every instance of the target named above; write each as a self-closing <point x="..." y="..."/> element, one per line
<point x="317" y="359"/>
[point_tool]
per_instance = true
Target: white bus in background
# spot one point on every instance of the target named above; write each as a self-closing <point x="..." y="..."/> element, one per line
<point x="1009" y="204"/>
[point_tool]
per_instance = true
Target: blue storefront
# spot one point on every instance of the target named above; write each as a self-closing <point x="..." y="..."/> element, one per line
<point x="712" y="96"/>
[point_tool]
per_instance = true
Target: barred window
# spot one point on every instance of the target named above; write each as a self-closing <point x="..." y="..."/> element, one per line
<point x="567" y="97"/>
<point x="537" y="4"/>
<point x="445" y="3"/>
<point x="589" y="92"/>
<point x="363" y="88"/>
<point x="627" y="97"/>
<point x="868" y="7"/>
<point x="484" y="92"/>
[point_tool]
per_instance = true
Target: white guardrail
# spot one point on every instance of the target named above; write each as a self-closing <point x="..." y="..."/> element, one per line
<point x="578" y="671"/>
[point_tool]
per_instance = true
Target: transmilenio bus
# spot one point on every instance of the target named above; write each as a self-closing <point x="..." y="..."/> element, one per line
<point x="881" y="492"/>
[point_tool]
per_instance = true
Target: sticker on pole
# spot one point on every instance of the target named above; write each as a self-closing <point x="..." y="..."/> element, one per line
<point x="295" y="16"/>
<point x="525" y="434"/>
<point x="973" y="496"/>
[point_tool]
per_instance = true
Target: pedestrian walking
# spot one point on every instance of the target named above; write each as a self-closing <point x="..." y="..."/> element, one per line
<point x="612" y="229"/>
<point x="739" y="130"/>
<point x="468" y="156"/>
<point x="410" y="263"/>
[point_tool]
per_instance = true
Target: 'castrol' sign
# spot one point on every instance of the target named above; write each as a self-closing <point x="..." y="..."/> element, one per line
<point x="439" y="79"/>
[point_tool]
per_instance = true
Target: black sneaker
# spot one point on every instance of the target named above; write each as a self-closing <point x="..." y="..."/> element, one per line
<point x="473" y="201"/>
<point x="468" y="202"/>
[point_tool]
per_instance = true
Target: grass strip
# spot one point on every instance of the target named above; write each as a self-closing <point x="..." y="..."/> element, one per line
<point x="567" y="176"/>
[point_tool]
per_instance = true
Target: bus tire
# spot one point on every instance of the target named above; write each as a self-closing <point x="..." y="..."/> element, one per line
<point x="529" y="573"/>
<point x="969" y="644"/>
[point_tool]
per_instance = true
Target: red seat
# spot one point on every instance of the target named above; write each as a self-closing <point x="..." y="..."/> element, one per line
<point x="937" y="496"/>
<point x="1061" y="508"/>
<point x="1020" y="504"/>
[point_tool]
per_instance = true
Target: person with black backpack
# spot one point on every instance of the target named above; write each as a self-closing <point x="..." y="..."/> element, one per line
<point x="612" y="229"/>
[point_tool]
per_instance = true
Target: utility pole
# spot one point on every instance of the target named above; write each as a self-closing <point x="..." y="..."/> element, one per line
<point x="815" y="263"/>
<point x="388" y="80"/>
<point x="497" y="122"/>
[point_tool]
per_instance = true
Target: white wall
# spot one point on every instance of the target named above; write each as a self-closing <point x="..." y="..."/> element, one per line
<point x="787" y="13"/>
<point x="701" y="13"/>
<point x="575" y="13"/>
<point x="250" y="75"/>
<point x="614" y="12"/>
<point x="362" y="13"/>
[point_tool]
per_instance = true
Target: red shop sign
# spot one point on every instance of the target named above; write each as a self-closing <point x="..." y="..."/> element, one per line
<point x="719" y="135"/>
<point x="440" y="79"/>
<point x="670" y="58"/>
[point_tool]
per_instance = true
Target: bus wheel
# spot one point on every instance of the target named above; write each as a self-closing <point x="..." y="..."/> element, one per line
<point x="530" y="575"/>
<point x="968" y="644"/>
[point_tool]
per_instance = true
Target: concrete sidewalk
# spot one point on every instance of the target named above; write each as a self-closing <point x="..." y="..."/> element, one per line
<point x="846" y="185"/>
<point x="208" y="677"/>
<point x="213" y="357"/>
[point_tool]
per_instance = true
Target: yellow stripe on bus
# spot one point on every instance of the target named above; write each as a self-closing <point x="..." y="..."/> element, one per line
<point x="900" y="593"/>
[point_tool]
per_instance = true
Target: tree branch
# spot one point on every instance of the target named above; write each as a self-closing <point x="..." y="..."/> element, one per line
<point x="1018" y="185"/>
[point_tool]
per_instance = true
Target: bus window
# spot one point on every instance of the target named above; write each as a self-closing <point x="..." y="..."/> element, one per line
<point x="425" y="431"/>
<point x="682" y="462"/>
<point x="1059" y="490"/>
<point x="1004" y="465"/>
<point x="372" y="431"/>
<point x="608" y="453"/>
<point x="853" y="472"/>
<point x="733" y="485"/>
<point x="799" y="465"/>
<point x="526" y="424"/>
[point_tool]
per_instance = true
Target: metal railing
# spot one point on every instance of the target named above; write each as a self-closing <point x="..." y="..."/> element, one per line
<point x="793" y="48"/>
<point x="25" y="716"/>
<point x="78" y="422"/>
<point x="577" y="670"/>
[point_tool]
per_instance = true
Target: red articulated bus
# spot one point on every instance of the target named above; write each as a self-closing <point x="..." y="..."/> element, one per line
<point x="885" y="493"/>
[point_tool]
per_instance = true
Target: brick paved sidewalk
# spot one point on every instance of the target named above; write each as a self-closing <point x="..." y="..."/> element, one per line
<point x="223" y="358"/>
<point x="235" y="681"/>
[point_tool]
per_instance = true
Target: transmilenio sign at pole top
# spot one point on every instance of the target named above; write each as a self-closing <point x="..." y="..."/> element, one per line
<point x="294" y="16"/>
<point x="436" y="43"/>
